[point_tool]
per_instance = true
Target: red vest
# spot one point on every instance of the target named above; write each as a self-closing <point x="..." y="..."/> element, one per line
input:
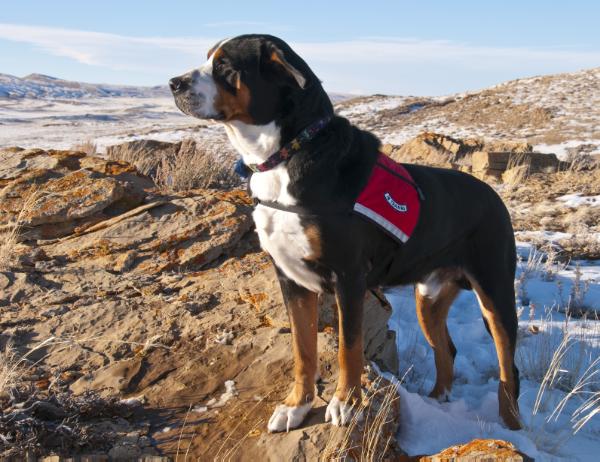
<point x="390" y="199"/>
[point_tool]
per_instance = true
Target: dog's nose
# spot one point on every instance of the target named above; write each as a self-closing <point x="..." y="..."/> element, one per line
<point x="177" y="84"/>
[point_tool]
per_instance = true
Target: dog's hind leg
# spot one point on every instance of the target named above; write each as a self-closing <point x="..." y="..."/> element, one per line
<point x="302" y="311"/>
<point x="497" y="303"/>
<point x="350" y="294"/>
<point x="432" y="311"/>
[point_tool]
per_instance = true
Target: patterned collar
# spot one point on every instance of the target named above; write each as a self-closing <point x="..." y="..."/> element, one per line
<point x="291" y="148"/>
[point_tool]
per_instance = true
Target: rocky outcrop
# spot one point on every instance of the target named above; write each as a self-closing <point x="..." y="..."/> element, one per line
<point x="494" y="164"/>
<point x="56" y="193"/>
<point x="162" y="297"/>
<point x="159" y="319"/>
<point x="445" y="151"/>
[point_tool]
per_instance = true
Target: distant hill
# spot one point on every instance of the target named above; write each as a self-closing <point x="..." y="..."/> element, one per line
<point x="45" y="86"/>
<point x="554" y="112"/>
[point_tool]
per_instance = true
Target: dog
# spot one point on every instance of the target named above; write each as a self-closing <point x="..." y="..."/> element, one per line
<point x="310" y="166"/>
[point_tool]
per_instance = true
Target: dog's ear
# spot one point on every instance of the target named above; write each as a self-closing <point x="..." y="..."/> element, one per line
<point x="284" y="63"/>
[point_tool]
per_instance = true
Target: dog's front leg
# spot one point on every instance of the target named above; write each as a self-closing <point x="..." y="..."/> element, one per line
<point x="350" y="294"/>
<point x="302" y="310"/>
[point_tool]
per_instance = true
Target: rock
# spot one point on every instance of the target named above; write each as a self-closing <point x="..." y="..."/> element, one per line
<point x="14" y="164"/>
<point x="191" y="230"/>
<point x="494" y="164"/>
<point x="74" y="196"/>
<point x="317" y="440"/>
<point x="124" y="262"/>
<point x="77" y="191"/>
<point x="441" y="150"/>
<point x="480" y="449"/>
<point x="5" y="280"/>
<point x="432" y="149"/>
<point x="125" y="451"/>
<point x="141" y="290"/>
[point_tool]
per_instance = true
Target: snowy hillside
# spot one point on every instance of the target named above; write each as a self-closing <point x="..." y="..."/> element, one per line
<point x="553" y="112"/>
<point x="44" y="86"/>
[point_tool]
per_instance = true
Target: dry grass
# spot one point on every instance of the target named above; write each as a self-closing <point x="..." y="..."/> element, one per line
<point x="365" y="440"/>
<point x="566" y="365"/>
<point x="10" y="369"/>
<point x="516" y="171"/>
<point x="574" y="370"/>
<point x="13" y="367"/>
<point x="179" y="166"/>
<point x="11" y="232"/>
<point x="87" y="146"/>
<point x="538" y="358"/>
<point x="194" y="168"/>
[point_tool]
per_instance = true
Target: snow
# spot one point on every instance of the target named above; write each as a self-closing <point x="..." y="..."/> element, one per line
<point x="44" y="86"/>
<point x="230" y="392"/>
<point x="44" y="112"/>
<point x="550" y="237"/>
<point x="375" y="105"/>
<point x="428" y="426"/>
<point x="577" y="200"/>
<point x="562" y="149"/>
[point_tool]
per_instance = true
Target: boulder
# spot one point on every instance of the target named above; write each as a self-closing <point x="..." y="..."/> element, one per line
<point x="446" y="151"/>
<point x="379" y="341"/>
<point x="494" y="164"/>
<point x="480" y="449"/>
<point x="432" y="149"/>
<point x="52" y="193"/>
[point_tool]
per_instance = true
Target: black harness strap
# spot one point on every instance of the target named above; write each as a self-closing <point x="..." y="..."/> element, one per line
<point x="304" y="211"/>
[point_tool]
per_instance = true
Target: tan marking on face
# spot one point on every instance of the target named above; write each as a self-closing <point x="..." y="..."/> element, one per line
<point x="432" y="314"/>
<point x="302" y="312"/>
<point x="217" y="53"/>
<point x="314" y="239"/>
<point x="234" y="106"/>
<point x="275" y="58"/>
<point x="507" y="399"/>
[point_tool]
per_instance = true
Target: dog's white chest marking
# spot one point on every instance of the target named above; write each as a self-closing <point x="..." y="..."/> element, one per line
<point x="280" y="233"/>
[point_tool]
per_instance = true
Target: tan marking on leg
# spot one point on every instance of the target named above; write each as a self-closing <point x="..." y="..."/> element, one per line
<point x="432" y="314"/>
<point x="507" y="399"/>
<point x="303" y="320"/>
<point x="350" y="360"/>
<point x="351" y="365"/>
<point x="314" y="239"/>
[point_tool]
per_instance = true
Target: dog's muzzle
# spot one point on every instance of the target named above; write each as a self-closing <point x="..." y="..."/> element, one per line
<point x="178" y="85"/>
<point x="194" y="94"/>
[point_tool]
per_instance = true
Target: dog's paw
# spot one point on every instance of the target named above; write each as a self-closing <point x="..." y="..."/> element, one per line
<point x="287" y="417"/>
<point x="340" y="412"/>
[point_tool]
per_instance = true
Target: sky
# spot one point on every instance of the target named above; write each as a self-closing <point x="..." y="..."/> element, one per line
<point x="399" y="47"/>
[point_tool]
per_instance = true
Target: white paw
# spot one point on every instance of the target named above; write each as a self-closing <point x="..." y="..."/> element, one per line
<point x="286" y="417"/>
<point x="340" y="412"/>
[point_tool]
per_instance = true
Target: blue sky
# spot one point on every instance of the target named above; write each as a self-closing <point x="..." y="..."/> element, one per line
<point x="394" y="47"/>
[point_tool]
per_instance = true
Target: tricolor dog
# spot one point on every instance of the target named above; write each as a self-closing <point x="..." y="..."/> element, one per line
<point x="315" y="179"/>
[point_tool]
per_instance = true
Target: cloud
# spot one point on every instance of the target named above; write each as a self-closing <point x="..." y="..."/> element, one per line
<point x="373" y="63"/>
<point x="113" y="51"/>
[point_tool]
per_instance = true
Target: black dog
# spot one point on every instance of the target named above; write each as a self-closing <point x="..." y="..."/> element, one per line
<point x="306" y="185"/>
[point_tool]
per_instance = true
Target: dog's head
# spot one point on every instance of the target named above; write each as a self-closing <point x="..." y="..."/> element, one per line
<point x="251" y="78"/>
